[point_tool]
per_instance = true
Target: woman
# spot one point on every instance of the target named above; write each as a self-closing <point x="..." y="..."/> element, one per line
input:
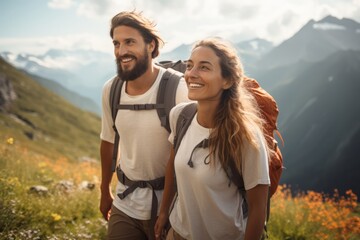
<point x="207" y="206"/>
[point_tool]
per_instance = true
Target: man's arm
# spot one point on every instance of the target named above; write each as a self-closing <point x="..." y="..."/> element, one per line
<point x="106" y="152"/>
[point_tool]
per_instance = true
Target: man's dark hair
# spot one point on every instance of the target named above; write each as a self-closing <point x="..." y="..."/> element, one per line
<point x="143" y="25"/>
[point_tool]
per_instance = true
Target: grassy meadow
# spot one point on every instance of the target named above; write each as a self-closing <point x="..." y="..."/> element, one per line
<point x="62" y="212"/>
<point x="73" y="213"/>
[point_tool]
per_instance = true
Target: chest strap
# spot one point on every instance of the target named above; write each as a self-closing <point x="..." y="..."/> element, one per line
<point x="156" y="184"/>
<point x="139" y="107"/>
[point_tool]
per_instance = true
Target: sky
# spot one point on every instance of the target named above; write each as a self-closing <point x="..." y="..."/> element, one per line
<point x="39" y="25"/>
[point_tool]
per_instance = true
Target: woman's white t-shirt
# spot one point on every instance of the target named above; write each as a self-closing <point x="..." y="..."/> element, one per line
<point x="207" y="207"/>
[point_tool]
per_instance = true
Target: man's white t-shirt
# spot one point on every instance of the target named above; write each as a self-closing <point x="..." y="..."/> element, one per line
<point x="144" y="147"/>
<point x="206" y="206"/>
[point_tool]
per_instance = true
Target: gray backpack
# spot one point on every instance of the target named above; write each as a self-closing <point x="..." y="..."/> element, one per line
<point x="166" y="99"/>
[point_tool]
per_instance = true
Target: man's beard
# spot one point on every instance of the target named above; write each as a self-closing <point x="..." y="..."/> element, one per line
<point x="139" y="69"/>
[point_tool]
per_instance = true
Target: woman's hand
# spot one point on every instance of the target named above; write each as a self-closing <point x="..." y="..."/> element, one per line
<point x="160" y="231"/>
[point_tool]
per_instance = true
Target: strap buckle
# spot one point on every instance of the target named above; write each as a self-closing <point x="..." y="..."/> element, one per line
<point x="146" y="106"/>
<point x="121" y="196"/>
<point x="142" y="184"/>
<point x="120" y="175"/>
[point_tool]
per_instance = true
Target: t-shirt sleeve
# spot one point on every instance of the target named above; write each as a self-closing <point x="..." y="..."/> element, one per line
<point x="107" y="131"/>
<point x="255" y="164"/>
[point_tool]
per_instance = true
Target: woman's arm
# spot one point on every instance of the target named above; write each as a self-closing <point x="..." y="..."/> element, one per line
<point x="257" y="198"/>
<point x="168" y="195"/>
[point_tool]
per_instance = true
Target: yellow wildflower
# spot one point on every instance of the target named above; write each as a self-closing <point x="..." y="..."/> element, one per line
<point x="42" y="164"/>
<point x="10" y="141"/>
<point x="56" y="217"/>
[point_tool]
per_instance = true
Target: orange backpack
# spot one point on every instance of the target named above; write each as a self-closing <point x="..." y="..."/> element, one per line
<point x="270" y="112"/>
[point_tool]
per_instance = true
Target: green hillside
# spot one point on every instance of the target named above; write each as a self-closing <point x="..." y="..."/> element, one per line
<point x="45" y="123"/>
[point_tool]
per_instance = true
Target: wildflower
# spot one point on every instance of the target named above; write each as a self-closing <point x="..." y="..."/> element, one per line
<point x="10" y="141"/>
<point x="13" y="181"/>
<point x="56" y="217"/>
<point x="42" y="164"/>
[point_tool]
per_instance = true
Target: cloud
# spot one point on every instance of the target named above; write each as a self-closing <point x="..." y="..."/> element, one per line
<point x="104" y="9"/>
<point x="235" y="9"/>
<point x="186" y="21"/>
<point x="39" y="45"/>
<point x="60" y="4"/>
<point x="95" y="9"/>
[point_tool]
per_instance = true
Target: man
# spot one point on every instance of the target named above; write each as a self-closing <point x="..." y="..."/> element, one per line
<point x="144" y="148"/>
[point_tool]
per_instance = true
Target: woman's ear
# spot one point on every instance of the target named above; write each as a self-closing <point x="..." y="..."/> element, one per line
<point x="227" y="84"/>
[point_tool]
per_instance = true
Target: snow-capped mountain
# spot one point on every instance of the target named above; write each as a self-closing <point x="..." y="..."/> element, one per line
<point x="250" y="51"/>
<point x="85" y="71"/>
<point x="256" y="47"/>
<point x="82" y="71"/>
<point x="315" y="41"/>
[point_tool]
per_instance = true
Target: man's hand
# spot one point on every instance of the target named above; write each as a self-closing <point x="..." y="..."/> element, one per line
<point x="105" y="204"/>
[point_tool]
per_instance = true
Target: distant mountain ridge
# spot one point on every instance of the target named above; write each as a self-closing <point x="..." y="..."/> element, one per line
<point x="315" y="41"/>
<point x="320" y="122"/>
<point x="81" y="71"/>
<point x="71" y="96"/>
<point x="85" y="72"/>
<point x="250" y="51"/>
<point x="44" y="122"/>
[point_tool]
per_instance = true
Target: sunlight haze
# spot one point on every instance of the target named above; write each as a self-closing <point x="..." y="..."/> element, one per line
<point x="39" y="25"/>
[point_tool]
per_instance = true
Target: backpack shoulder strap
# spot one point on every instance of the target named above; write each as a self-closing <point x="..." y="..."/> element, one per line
<point x="115" y="92"/>
<point x="234" y="175"/>
<point x="183" y="122"/>
<point x="167" y="95"/>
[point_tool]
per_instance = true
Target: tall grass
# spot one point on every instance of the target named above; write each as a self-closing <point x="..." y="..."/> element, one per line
<point x="74" y="214"/>
<point x="59" y="213"/>
<point x="312" y="215"/>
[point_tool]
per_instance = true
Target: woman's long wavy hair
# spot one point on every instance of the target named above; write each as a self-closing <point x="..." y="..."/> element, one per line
<point x="237" y="113"/>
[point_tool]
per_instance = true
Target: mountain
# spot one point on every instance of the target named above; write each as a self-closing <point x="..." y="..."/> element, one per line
<point x="40" y="120"/>
<point x="315" y="41"/>
<point x="81" y="71"/>
<point x="320" y="123"/>
<point x="181" y="52"/>
<point x="250" y="51"/>
<point x="314" y="76"/>
<point x="84" y="72"/>
<point x="71" y="96"/>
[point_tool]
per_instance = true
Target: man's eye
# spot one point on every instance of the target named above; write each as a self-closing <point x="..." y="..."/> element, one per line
<point x="129" y="42"/>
